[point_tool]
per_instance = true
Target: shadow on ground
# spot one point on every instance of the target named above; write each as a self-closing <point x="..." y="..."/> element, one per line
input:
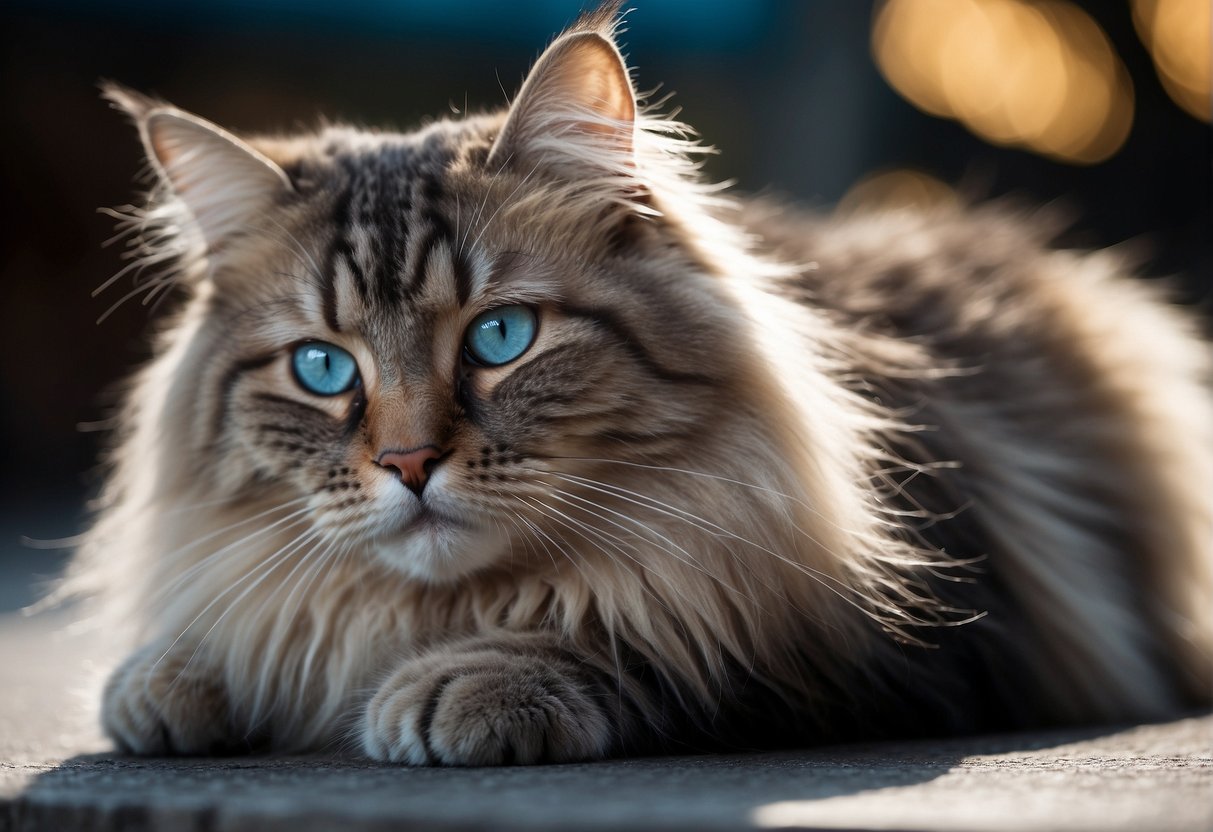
<point x="1003" y="782"/>
<point x="708" y="793"/>
<point x="56" y="775"/>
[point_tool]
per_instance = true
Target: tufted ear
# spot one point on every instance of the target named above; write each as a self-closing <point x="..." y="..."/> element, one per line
<point x="225" y="183"/>
<point x="576" y="112"/>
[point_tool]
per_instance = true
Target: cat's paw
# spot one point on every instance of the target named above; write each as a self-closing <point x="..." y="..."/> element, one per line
<point x="159" y="704"/>
<point x="484" y="708"/>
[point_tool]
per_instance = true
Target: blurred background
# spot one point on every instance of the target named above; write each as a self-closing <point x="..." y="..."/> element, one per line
<point x="1100" y="105"/>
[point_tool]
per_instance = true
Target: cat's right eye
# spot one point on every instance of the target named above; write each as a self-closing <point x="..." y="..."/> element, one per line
<point x="324" y="369"/>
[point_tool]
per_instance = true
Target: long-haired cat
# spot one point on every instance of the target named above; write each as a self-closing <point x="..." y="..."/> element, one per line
<point x="510" y="439"/>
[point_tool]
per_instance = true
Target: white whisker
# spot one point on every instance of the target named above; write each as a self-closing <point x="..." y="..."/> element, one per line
<point x="268" y="564"/>
<point x="483" y="203"/>
<point x="829" y="582"/>
<point x="292" y="519"/>
<point x="581" y="528"/>
<point x="504" y="203"/>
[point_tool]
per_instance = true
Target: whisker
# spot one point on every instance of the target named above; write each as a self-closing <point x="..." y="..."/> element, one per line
<point x="269" y="564"/>
<point x="519" y="520"/>
<point x="580" y="528"/>
<point x="688" y="561"/>
<point x="188" y="507"/>
<point x="691" y="519"/>
<point x="301" y="250"/>
<point x="283" y="619"/>
<point x="526" y="540"/>
<point x="719" y="478"/>
<point x="697" y="522"/>
<point x="504" y="203"/>
<point x="282" y="557"/>
<point x="215" y="533"/>
<point x="292" y="519"/>
<point x="483" y="203"/>
<point x="53" y="542"/>
<point x="545" y="536"/>
<point x="165" y="275"/>
<point x="867" y="603"/>
<point x="309" y="658"/>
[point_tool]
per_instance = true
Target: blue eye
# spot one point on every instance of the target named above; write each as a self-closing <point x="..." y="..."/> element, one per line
<point x="324" y="369"/>
<point x="500" y="335"/>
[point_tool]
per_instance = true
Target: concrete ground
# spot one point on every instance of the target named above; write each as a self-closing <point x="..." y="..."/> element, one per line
<point x="56" y="773"/>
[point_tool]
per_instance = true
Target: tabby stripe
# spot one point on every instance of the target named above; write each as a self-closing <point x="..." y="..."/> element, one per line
<point x="271" y="398"/>
<point x="328" y="289"/>
<point x="469" y="404"/>
<point x="535" y="367"/>
<point x="228" y="383"/>
<point x="627" y="339"/>
<point x="342" y="248"/>
<point x="357" y="410"/>
<point x="328" y="297"/>
<point x="282" y="429"/>
<point x="437" y="231"/>
<point x="345" y="251"/>
<point x="637" y="438"/>
<point x="463" y="277"/>
<point x="392" y="234"/>
<point x="433" y="189"/>
<point x="386" y="281"/>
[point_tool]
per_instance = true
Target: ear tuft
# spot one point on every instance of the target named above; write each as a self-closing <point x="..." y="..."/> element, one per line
<point x="576" y="112"/>
<point x="224" y="182"/>
<point x="135" y="104"/>
<point x="604" y="19"/>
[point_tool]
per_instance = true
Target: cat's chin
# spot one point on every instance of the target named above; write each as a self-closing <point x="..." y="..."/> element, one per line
<point x="433" y="549"/>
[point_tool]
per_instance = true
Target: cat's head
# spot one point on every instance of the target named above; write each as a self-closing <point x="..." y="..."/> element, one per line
<point x="490" y="330"/>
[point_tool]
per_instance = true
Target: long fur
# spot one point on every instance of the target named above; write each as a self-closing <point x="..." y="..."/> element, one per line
<point x="755" y="529"/>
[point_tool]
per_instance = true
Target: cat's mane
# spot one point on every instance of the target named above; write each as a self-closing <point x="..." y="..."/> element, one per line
<point x="823" y="555"/>
<point x="859" y="559"/>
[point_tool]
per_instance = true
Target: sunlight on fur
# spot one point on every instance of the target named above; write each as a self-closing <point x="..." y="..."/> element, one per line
<point x="513" y="440"/>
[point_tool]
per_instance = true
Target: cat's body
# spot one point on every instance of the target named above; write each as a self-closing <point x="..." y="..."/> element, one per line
<point x="755" y="478"/>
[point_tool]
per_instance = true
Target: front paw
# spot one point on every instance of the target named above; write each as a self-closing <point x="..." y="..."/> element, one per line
<point x="159" y="703"/>
<point x="485" y="708"/>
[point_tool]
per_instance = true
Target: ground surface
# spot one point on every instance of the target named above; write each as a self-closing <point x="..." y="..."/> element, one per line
<point x="57" y="774"/>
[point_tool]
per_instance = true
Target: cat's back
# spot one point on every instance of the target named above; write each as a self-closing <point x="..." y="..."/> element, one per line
<point x="1069" y="412"/>
<point x="996" y="312"/>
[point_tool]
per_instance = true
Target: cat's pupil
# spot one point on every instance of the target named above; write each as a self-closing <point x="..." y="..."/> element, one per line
<point x="501" y="335"/>
<point x="324" y="369"/>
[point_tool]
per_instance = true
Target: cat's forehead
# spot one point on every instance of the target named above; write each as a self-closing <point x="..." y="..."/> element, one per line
<point x="399" y="235"/>
<point x="384" y="212"/>
<point x="390" y="165"/>
<point x="367" y="165"/>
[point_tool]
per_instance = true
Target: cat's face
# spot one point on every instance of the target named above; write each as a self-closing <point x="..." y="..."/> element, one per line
<point x="465" y="346"/>
<point x="441" y="347"/>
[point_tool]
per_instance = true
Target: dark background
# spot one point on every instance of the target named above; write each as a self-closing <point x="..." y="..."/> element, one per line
<point x="787" y="90"/>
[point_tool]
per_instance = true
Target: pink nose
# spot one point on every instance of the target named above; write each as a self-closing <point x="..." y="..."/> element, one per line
<point x="413" y="465"/>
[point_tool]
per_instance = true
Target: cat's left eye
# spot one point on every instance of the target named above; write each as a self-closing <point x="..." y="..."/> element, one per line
<point x="324" y="369"/>
<point x="500" y="335"/>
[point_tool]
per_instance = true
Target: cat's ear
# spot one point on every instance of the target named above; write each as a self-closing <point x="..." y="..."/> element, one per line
<point x="576" y="112"/>
<point x="223" y="181"/>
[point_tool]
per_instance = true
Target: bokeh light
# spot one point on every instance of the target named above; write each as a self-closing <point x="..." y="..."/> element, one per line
<point x="1041" y="76"/>
<point x="1179" y="35"/>
<point x="896" y="189"/>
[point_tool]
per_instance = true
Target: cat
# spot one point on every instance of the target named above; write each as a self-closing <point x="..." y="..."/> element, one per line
<point x="513" y="440"/>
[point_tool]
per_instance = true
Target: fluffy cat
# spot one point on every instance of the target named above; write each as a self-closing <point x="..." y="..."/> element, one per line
<point x="511" y="440"/>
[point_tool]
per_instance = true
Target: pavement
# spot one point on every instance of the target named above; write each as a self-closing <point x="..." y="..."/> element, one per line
<point x="57" y="773"/>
